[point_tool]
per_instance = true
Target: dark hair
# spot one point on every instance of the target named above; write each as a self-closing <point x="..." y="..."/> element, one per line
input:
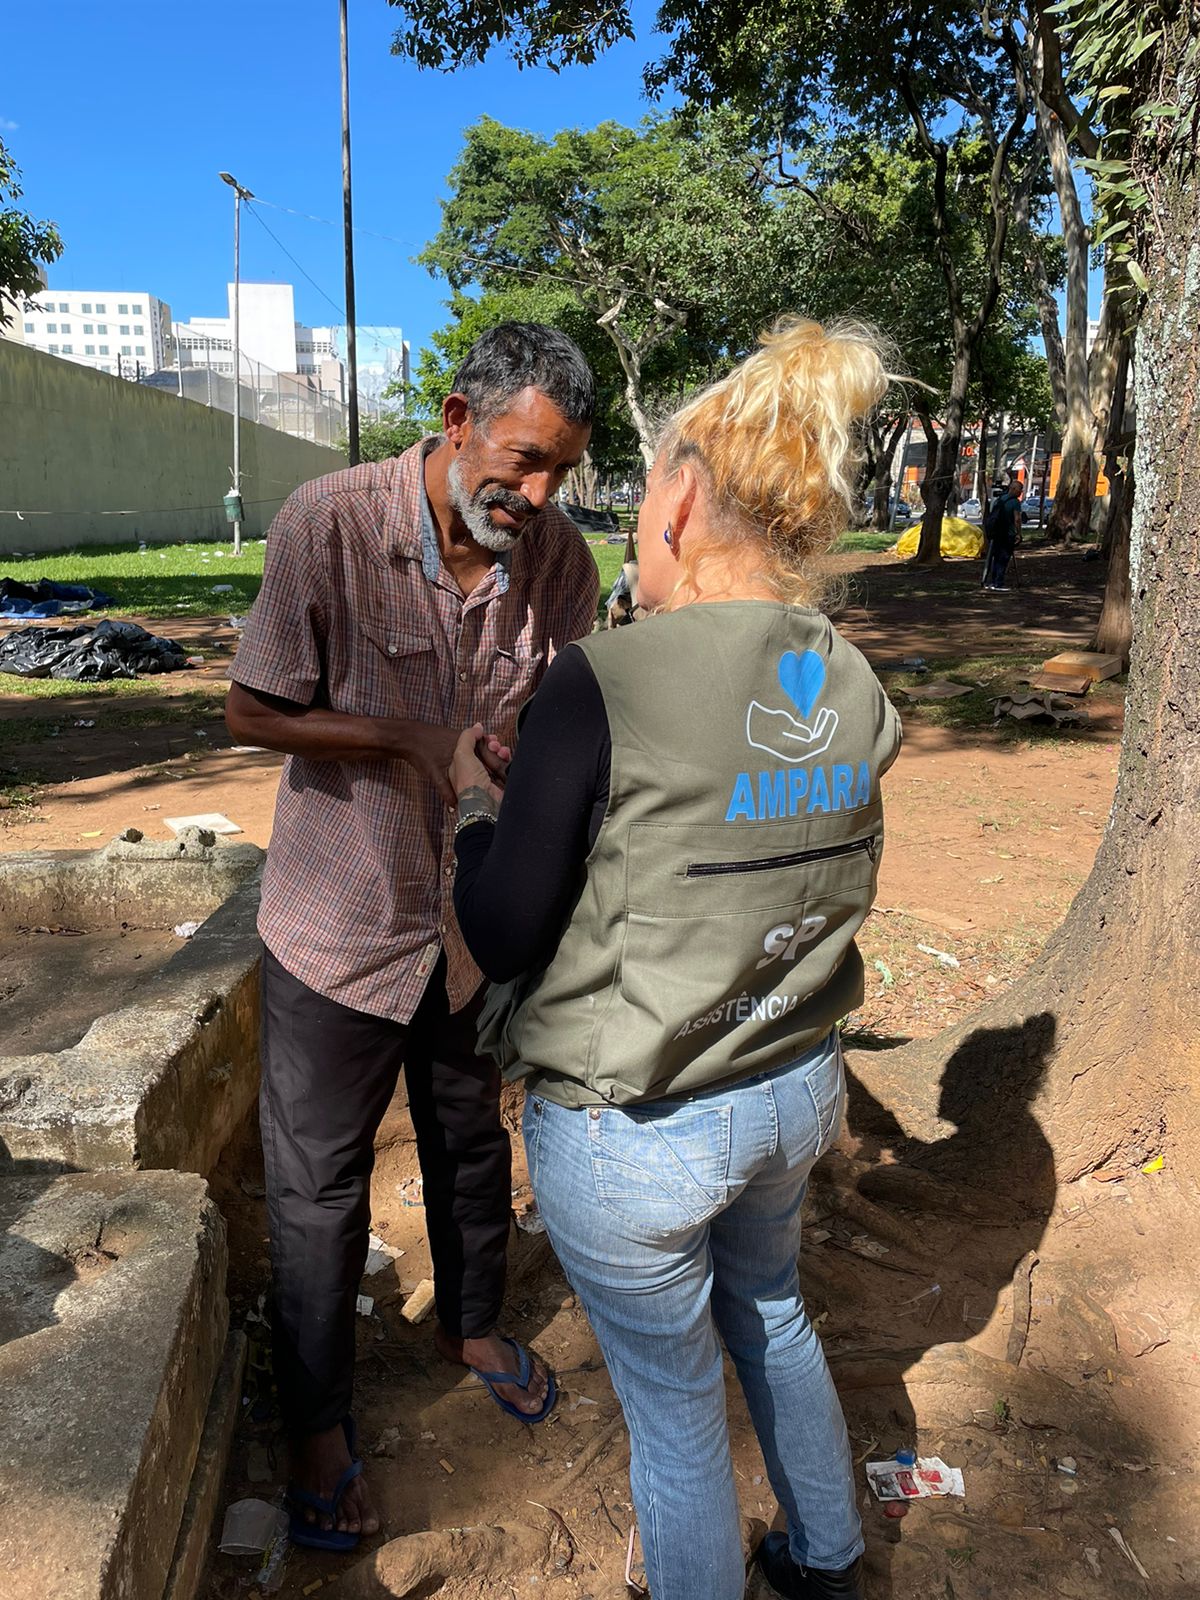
<point x="520" y="355"/>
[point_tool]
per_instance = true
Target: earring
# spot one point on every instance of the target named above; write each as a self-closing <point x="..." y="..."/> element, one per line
<point x="668" y="534"/>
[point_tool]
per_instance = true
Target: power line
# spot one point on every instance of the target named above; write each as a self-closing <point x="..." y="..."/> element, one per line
<point x="341" y="310"/>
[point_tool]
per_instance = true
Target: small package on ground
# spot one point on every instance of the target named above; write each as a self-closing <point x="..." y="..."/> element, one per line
<point x="926" y="1478"/>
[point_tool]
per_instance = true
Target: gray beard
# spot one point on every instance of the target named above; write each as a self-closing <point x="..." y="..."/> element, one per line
<point x="474" y="513"/>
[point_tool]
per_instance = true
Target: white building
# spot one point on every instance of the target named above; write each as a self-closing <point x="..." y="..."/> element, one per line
<point x="383" y="359"/>
<point x="270" y="339"/>
<point x="122" y="331"/>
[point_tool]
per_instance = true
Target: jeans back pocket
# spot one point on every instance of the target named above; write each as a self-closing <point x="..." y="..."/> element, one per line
<point x="660" y="1169"/>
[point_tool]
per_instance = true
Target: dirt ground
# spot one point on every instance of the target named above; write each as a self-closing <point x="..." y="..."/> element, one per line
<point x="1012" y="1335"/>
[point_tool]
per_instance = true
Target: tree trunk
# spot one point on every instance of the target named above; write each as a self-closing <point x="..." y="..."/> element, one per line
<point x="1102" y="1037"/>
<point x="981" y="462"/>
<point x="885" y="456"/>
<point x="939" y="484"/>
<point x="1115" y="629"/>
<point x="1071" y="520"/>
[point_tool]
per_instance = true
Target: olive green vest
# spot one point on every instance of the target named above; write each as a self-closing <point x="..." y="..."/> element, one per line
<point x="713" y="934"/>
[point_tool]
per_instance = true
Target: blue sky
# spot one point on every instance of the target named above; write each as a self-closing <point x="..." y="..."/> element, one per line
<point x="122" y="114"/>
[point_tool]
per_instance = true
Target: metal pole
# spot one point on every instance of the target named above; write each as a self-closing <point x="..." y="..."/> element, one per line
<point x="348" y="231"/>
<point x="237" y="372"/>
<point x="239" y="194"/>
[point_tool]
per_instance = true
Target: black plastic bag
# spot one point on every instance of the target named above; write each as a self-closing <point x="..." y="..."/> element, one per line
<point x="87" y="654"/>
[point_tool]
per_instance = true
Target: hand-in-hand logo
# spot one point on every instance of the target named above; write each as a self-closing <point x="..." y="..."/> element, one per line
<point x="779" y="732"/>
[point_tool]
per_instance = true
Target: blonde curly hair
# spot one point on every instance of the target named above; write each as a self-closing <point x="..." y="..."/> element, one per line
<point x="778" y="443"/>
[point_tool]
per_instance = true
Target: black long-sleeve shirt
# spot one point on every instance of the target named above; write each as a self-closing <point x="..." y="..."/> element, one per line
<point x="516" y="881"/>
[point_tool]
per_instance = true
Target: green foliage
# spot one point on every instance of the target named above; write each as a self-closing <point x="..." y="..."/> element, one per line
<point x="24" y="242"/>
<point x="380" y="438"/>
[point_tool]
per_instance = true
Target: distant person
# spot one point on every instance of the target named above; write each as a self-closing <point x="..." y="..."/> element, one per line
<point x="401" y="599"/>
<point x="667" y="892"/>
<point x="1002" y="532"/>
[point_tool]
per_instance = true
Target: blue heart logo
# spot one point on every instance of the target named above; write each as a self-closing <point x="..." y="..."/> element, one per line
<point x="802" y="678"/>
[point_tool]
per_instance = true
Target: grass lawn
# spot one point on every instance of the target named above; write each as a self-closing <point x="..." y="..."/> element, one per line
<point x="866" y="539"/>
<point x="170" y="580"/>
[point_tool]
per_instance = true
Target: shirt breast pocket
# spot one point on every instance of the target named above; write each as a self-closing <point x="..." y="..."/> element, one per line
<point x="395" y="675"/>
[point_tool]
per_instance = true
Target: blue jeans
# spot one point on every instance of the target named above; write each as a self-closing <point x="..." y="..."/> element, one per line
<point x="677" y="1220"/>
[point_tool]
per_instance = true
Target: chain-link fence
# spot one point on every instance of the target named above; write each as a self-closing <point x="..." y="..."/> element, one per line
<point x="290" y="402"/>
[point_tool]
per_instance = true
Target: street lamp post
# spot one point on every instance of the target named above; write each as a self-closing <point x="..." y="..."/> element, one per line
<point x="233" y="501"/>
<point x="348" y="240"/>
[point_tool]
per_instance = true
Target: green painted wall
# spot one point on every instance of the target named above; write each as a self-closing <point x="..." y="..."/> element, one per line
<point x="79" y="446"/>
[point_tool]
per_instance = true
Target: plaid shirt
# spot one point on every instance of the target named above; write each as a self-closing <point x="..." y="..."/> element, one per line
<point x="358" y="612"/>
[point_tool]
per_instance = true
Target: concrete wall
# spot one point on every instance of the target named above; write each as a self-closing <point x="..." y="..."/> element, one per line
<point x="77" y="444"/>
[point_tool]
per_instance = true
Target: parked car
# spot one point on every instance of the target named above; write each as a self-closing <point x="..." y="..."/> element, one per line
<point x="1034" y="509"/>
<point x="971" y="510"/>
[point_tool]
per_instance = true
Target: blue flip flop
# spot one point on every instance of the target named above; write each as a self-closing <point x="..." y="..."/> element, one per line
<point x="521" y="1379"/>
<point x="311" y="1534"/>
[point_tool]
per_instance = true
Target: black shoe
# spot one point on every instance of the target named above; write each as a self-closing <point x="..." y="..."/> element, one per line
<point x="806" y="1583"/>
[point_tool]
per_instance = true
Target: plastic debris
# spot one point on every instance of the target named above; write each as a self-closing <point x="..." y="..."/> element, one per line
<point x="195" y="661"/>
<point x="238" y="622"/>
<point x="942" y="957"/>
<point x="1055" y="708"/>
<point x="364" y="1305"/>
<point x="47" y="599"/>
<point x="90" y="722"/>
<point x="222" y="588"/>
<point x="884" y="971"/>
<point x="89" y="653"/>
<point x="185" y="930"/>
<point x="1069" y="1465"/>
<point x="419" y="1303"/>
<point x="247" y="749"/>
<point x="1118" y="1538"/>
<point x="410" y="1192"/>
<point x="250" y="1527"/>
<point x="915" y="664"/>
<point x="1156" y="1165"/>
<point x="926" y="1477"/>
<point x="211" y="821"/>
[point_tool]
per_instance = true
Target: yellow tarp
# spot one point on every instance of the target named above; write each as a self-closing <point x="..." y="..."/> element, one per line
<point x="959" y="538"/>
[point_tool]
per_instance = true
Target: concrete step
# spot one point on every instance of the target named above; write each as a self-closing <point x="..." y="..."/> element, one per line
<point x="113" y="1323"/>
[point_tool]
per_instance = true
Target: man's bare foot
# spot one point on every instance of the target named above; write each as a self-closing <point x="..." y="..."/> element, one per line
<point x="318" y="1461"/>
<point x="491" y="1354"/>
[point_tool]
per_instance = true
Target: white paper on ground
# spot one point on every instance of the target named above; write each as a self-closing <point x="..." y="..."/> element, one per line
<point x="214" y="821"/>
<point x="364" y="1305"/>
<point x="379" y="1255"/>
<point x="930" y="1477"/>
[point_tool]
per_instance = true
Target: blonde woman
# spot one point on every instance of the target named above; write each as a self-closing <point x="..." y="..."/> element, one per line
<point x="668" y="900"/>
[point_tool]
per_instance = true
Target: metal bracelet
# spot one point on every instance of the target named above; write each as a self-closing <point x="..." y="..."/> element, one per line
<point x="470" y="818"/>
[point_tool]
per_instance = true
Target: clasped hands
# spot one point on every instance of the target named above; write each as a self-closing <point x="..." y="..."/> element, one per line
<point x="477" y="770"/>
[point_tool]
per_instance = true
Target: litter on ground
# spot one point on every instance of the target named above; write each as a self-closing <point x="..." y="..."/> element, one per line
<point x="211" y="821"/>
<point x="926" y="1478"/>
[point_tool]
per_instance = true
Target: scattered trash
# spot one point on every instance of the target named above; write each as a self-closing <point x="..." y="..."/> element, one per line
<point x="379" y="1255"/>
<point x="387" y="1444"/>
<point x="1068" y="1465"/>
<point x="238" y="622"/>
<point x="942" y="957"/>
<point x="222" y="588"/>
<point x="920" y="1478"/>
<point x="1156" y="1165"/>
<point x="250" y="1527"/>
<point x="818" y="1235"/>
<point x="195" y="661"/>
<point x="317" y="1583"/>
<point x="529" y="1221"/>
<point x="1043" y="707"/>
<point x="884" y="971"/>
<point x="185" y="930"/>
<point x="211" y="821"/>
<point x="89" y="653"/>
<point x="1094" y="665"/>
<point x="895" y="1509"/>
<point x="247" y="749"/>
<point x="1118" y="1539"/>
<point x="410" y="1192"/>
<point x="938" y="689"/>
<point x="1092" y="1557"/>
<point x="84" y="722"/>
<point x="915" y="664"/>
<point x="445" y="1466"/>
<point x="419" y="1303"/>
<point x="866" y="1246"/>
<point x="582" y="1400"/>
<point x="94" y="834"/>
<point x="364" y="1305"/>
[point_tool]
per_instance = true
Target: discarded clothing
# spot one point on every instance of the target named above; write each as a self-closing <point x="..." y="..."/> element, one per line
<point x="46" y="599"/>
<point x="88" y="653"/>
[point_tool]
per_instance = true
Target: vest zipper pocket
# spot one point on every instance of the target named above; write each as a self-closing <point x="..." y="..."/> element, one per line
<point x="798" y="858"/>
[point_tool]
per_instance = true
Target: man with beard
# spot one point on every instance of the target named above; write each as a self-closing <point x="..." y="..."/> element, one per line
<point x="402" y="601"/>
